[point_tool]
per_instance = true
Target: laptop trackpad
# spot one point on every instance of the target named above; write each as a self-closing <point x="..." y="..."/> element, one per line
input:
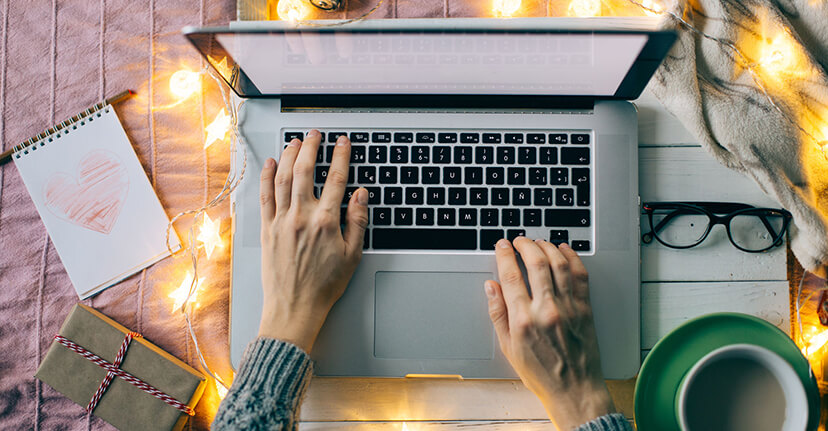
<point x="432" y="315"/>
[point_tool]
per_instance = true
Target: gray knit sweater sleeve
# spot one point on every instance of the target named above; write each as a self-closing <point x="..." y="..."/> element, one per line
<point x="269" y="385"/>
<point x="610" y="422"/>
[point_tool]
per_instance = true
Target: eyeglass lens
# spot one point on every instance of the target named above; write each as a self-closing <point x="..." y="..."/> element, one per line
<point x="756" y="230"/>
<point x="680" y="227"/>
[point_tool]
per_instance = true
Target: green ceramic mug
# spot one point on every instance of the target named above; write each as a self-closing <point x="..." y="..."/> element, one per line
<point x="742" y="387"/>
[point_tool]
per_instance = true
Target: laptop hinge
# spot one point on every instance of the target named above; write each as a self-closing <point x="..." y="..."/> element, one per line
<point x="440" y="101"/>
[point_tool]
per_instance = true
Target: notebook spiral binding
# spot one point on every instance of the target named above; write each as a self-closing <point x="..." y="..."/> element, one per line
<point x="60" y="129"/>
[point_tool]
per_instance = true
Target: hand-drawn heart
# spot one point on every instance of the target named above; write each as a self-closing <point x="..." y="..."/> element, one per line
<point x="95" y="197"/>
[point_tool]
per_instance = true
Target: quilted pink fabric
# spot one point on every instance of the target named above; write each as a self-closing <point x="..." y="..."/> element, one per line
<point x="58" y="57"/>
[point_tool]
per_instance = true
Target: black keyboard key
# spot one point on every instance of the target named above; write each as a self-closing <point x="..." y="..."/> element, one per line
<point x="320" y="155"/>
<point x="431" y="175"/>
<point x="582" y="196"/>
<point x="317" y="192"/>
<point x="514" y="138"/>
<point x="425" y="217"/>
<point x="558" y="237"/>
<point x="392" y="196"/>
<point x="510" y="217"/>
<point x="373" y="195"/>
<point x="536" y="138"/>
<point x="420" y="154"/>
<point x="382" y="216"/>
<point x="403" y="216"/>
<point x="404" y="137"/>
<point x="484" y="155"/>
<point x="537" y="176"/>
<point x="349" y="191"/>
<point x="489" y="238"/>
<point x="399" y="154"/>
<point x="531" y="217"/>
<point x="558" y="138"/>
<point x="367" y="175"/>
<point x="388" y="175"/>
<point x="516" y="176"/>
<point x="358" y="154"/>
<point x="566" y="218"/>
<point x="505" y="155"/>
<point x="564" y="197"/>
<point x="527" y="156"/>
<point x="580" y="179"/>
<point x="500" y="196"/>
<point x="491" y="138"/>
<point x="521" y="197"/>
<point x="436" y="196"/>
<point x="558" y="176"/>
<point x="495" y="176"/>
<point x="473" y="175"/>
<point x="469" y="138"/>
<point x="366" y="240"/>
<point x="413" y="195"/>
<point x="445" y="217"/>
<point x="424" y="239"/>
<point x="409" y="175"/>
<point x="463" y="155"/>
<point x="580" y="138"/>
<point x="580" y="245"/>
<point x="513" y="234"/>
<point x="425" y="138"/>
<point x="351" y="175"/>
<point x="359" y="137"/>
<point x="543" y="197"/>
<point x="321" y="174"/>
<point x="377" y="154"/>
<point x="451" y="175"/>
<point x="478" y="196"/>
<point x="548" y="155"/>
<point x="333" y="136"/>
<point x="289" y="136"/>
<point x="441" y="154"/>
<point x="447" y="138"/>
<point x="575" y="156"/>
<point x="381" y="137"/>
<point x="329" y="150"/>
<point x="456" y="196"/>
<point x="467" y="217"/>
<point x="488" y="217"/>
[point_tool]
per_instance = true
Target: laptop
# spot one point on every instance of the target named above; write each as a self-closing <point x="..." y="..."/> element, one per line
<point x="464" y="131"/>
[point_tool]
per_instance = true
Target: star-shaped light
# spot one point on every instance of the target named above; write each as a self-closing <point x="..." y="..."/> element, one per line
<point x="218" y="129"/>
<point x="209" y="235"/>
<point x="222" y="67"/>
<point x="180" y="295"/>
<point x="505" y="8"/>
<point x="184" y="83"/>
<point x="220" y="389"/>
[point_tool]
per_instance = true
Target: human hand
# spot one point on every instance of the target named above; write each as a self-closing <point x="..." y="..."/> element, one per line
<point x="306" y="260"/>
<point x="549" y="338"/>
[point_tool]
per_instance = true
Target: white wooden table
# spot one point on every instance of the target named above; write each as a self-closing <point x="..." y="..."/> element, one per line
<point x="677" y="285"/>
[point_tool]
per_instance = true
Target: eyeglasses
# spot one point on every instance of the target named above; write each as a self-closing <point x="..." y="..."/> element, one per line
<point x="687" y="224"/>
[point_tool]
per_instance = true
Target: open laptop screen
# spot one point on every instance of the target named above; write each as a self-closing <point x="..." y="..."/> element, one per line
<point x="461" y="62"/>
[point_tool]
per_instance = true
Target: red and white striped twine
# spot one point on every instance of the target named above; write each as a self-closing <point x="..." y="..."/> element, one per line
<point x="114" y="370"/>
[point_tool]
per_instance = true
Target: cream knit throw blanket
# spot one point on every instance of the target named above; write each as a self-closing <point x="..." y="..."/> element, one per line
<point x="706" y="86"/>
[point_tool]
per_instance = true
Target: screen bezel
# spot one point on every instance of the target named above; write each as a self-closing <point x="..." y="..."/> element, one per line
<point x="655" y="49"/>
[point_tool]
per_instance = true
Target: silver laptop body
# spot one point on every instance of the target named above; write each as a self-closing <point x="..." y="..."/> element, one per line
<point x="419" y="308"/>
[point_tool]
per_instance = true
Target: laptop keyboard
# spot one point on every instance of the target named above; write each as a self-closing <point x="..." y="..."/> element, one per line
<point x="461" y="190"/>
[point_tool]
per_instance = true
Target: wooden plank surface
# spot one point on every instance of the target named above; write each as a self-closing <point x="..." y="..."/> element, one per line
<point x="427" y="426"/>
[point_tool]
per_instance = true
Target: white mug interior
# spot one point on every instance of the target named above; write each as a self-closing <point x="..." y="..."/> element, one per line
<point x="792" y="389"/>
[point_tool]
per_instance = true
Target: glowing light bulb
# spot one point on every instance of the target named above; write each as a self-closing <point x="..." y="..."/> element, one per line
<point x="184" y="83"/>
<point x="585" y="8"/>
<point x="505" y="8"/>
<point x="209" y="235"/>
<point x="218" y="129"/>
<point x="652" y="7"/>
<point x="292" y="10"/>
<point x="220" y="389"/>
<point x="815" y="343"/>
<point x="778" y="55"/>
<point x="180" y="295"/>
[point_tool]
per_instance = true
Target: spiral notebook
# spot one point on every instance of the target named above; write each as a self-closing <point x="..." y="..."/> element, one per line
<point x="99" y="208"/>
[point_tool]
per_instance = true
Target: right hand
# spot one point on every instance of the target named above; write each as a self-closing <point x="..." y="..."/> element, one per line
<point x="549" y="338"/>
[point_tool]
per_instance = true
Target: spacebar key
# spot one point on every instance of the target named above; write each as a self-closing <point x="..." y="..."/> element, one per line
<point x="424" y="239"/>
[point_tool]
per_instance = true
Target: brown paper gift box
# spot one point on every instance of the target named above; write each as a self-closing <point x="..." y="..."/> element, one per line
<point x="122" y="405"/>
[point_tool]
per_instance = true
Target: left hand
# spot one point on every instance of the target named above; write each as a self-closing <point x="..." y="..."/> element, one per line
<point x="307" y="261"/>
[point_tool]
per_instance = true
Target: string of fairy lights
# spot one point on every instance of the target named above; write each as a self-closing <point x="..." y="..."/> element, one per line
<point x="778" y="59"/>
